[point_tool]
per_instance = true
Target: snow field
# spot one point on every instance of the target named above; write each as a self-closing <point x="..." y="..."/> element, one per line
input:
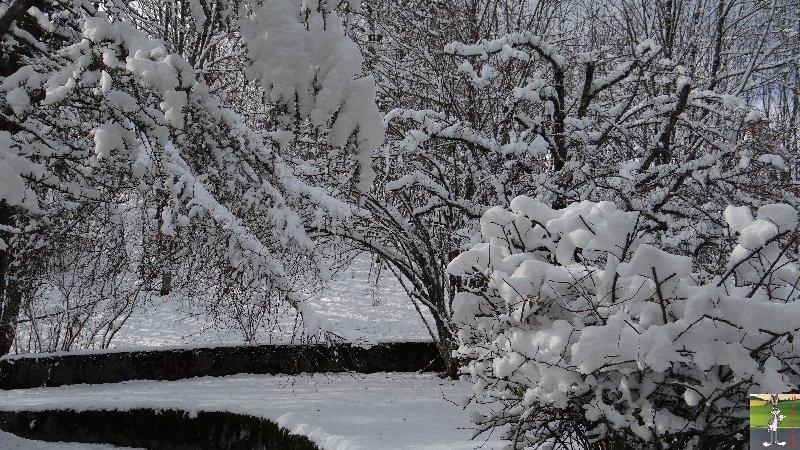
<point x="352" y="306"/>
<point x="337" y="411"/>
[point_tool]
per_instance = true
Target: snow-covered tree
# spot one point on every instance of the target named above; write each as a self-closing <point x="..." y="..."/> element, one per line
<point x="589" y="336"/>
<point x="206" y="33"/>
<point x="652" y="105"/>
<point x="105" y="131"/>
<point x="430" y="189"/>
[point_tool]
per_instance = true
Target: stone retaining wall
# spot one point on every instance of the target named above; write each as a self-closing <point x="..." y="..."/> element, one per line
<point x="154" y="429"/>
<point x="174" y="364"/>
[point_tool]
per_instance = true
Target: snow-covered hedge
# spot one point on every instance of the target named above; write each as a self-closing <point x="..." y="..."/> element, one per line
<point x="586" y="332"/>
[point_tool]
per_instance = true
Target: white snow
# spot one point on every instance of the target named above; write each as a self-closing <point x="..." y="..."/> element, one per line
<point x="757" y="234"/>
<point x="350" y="411"/>
<point x="351" y="305"/>
<point x="173" y="104"/>
<point x="12" y="188"/>
<point x="19" y="100"/>
<point x="107" y="139"/>
<point x="304" y="60"/>
<point x="738" y="217"/>
<point x="41" y="18"/>
<point x="775" y="160"/>
<point x="11" y="441"/>
<point x="782" y="215"/>
<point x="355" y="307"/>
<point x="650" y="262"/>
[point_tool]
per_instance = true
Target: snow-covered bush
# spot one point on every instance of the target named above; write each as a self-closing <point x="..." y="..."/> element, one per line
<point x="589" y="336"/>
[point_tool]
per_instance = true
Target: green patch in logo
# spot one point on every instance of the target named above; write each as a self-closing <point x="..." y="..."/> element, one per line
<point x="774" y="420"/>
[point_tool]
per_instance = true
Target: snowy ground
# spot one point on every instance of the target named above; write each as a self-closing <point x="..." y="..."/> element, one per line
<point x="378" y="411"/>
<point x="350" y="306"/>
<point x="351" y="411"/>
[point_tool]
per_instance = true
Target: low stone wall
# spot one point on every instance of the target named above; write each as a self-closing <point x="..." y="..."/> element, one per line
<point x="155" y="429"/>
<point x="174" y="364"/>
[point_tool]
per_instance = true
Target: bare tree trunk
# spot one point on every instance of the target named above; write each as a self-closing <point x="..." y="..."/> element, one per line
<point x="12" y="301"/>
<point x="164" y="248"/>
<point x="447" y="345"/>
<point x="446" y="341"/>
<point x="10" y="293"/>
<point x="166" y="282"/>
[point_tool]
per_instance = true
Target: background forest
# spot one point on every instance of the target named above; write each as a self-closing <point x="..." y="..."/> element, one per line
<point x="592" y="205"/>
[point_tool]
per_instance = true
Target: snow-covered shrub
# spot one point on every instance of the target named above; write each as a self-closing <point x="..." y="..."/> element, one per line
<point x="80" y="291"/>
<point x="589" y="336"/>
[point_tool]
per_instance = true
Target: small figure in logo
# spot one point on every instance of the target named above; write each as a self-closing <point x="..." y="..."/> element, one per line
<point x="774" y="422"/>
